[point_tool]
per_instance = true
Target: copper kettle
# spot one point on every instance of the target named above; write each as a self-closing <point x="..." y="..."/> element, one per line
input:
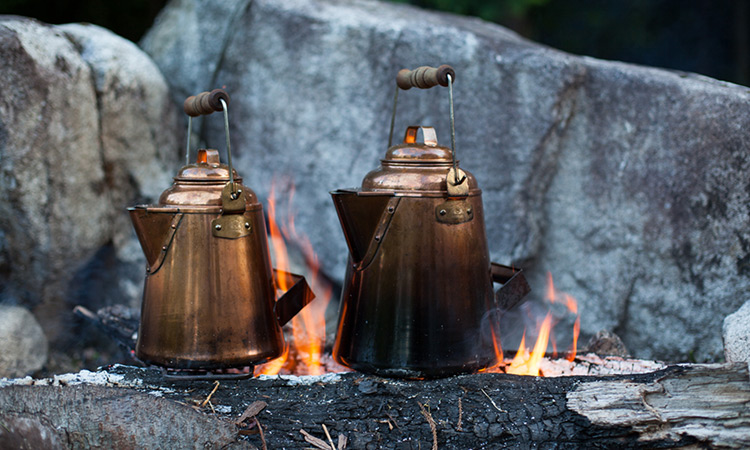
<point x="209" y="301"/>
<point x="418" y="297"/>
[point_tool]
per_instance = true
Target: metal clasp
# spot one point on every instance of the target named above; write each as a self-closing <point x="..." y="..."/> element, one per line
<point x="232" y="223"/>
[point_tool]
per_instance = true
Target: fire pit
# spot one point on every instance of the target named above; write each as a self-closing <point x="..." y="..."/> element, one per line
<point x="125" y="406"/>
<point x="582" y="400"/>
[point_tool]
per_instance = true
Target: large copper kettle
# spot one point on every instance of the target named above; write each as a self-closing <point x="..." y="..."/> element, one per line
<point x="418" y="296"/>
<point x="209" y="301"/>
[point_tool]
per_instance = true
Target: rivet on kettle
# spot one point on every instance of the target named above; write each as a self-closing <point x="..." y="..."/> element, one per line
<point x="443" y="212"/>
<point x="247" y="225"/>
<point x="164" y="248"/>
<point x="391" y="209"/>
<point x="218" y="227"/>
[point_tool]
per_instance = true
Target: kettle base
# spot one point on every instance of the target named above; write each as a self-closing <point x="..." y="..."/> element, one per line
<point x="241" y="373"/>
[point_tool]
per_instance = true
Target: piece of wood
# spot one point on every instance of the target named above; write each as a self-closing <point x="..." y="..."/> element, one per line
<point x="703" y="405"/>
<point x="710" y="404"/>
<point x="86" y="416"/>
<point x="592" y="364"/>
<point x="425" y="77"/>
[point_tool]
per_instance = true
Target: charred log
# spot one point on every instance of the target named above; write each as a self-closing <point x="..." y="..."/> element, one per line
<point x="674" y="407"/>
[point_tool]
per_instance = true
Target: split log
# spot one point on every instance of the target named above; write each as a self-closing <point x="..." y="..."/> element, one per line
<point x="678" y="406"/>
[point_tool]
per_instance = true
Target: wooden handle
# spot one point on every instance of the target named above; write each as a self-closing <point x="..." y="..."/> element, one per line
<point x="205" y="103"/>
<point x="425" y="77"/>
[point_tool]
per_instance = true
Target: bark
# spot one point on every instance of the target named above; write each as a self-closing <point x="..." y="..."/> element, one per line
<point x="706" y="405"/>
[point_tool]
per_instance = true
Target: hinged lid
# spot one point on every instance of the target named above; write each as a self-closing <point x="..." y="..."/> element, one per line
<point x="201" y="183"/>
<point x="207" y="168"/>
<point x="412" y="151"/>
<point x="414" y="166"/>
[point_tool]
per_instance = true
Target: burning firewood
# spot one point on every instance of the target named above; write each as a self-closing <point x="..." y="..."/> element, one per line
<point x="681" y="405"/>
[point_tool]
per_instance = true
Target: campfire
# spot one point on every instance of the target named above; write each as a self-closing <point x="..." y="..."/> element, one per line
<point x="424" y="374"/>
<point x="309" y="353"/>
<point x="307" y="338"/>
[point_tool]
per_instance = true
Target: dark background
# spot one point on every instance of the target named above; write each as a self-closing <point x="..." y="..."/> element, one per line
<point x="709" y="37"/>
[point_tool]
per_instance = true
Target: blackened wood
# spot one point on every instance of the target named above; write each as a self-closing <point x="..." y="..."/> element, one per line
<point x="680" y="405"/>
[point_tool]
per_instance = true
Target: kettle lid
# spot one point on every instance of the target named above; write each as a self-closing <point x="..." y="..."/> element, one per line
<point x="421" y="168"/>
<point x="207" y="168"/>
<point x="411" y="151"/>
<point x="200" y="184"/>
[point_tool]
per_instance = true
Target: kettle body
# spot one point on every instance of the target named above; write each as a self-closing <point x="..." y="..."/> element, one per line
<point x="418" y="292"/>
<point x="209" y="300"/>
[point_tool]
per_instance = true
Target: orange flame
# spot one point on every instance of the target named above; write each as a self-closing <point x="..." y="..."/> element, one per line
<point x="528" y="363"/>
<point x="572" y="306"/>
<point x="576" y="330"/>
<point x="550" y="289"/>
<point x="303" y="356"/>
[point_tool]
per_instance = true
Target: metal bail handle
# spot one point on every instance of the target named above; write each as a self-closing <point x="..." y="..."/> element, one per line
<point x="204" y="104"/>
<point x="294" y="299"/>
<point x="514" y="289"/>
<point x="426" y="77"/>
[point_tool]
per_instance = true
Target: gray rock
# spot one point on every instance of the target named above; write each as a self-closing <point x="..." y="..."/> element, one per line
<point x="629" y="184"/>
<point x="86" y="128"/>
<point x="22" y="342"/>
<point x="736" y="333"/>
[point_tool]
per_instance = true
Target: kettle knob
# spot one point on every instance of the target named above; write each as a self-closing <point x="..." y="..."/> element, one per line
<point x="205" y="103"/>
<point x="425" y="77"/>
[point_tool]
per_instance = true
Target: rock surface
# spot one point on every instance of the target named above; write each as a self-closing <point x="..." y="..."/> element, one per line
<point x="86" y="129"/>
<point x="22" y="340"/>
<point x="737" y="335"/>
<point x="629" y="184"/>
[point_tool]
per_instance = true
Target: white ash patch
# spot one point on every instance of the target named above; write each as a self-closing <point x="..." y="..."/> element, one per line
<point x="26" y="381"/>
<point x="86" y="377"/>
<point x="304" y="379"/>
<point x="592" y="364"/>
<point x="101" y="378"/>
<point x="223" y="409"/>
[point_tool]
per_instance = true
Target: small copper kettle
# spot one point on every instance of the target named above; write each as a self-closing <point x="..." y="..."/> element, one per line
<point x="209" y="296"/>
<point x="418" y="296"/>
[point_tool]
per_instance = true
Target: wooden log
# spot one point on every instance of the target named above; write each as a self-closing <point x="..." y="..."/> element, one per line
<point x="704" y="405"/>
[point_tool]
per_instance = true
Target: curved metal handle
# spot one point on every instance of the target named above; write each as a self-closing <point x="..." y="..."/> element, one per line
<point x="425" y="77"/>
<point x="514" y="289"/>
<point x="429" y="136"/>
<point x="294" y="299"/>
<point x="205" y="103"/>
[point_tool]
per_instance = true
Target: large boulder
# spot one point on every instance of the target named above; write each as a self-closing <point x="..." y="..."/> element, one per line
<point x="86" y="128"/>
<point x="736" y="334"/>
<point x="23" y="343"/>
<point x="629" y="184"/>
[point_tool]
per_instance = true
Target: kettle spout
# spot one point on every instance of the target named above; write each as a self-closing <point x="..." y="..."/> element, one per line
<point x="155" y="231"/>
<point x="362" y="217"/>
